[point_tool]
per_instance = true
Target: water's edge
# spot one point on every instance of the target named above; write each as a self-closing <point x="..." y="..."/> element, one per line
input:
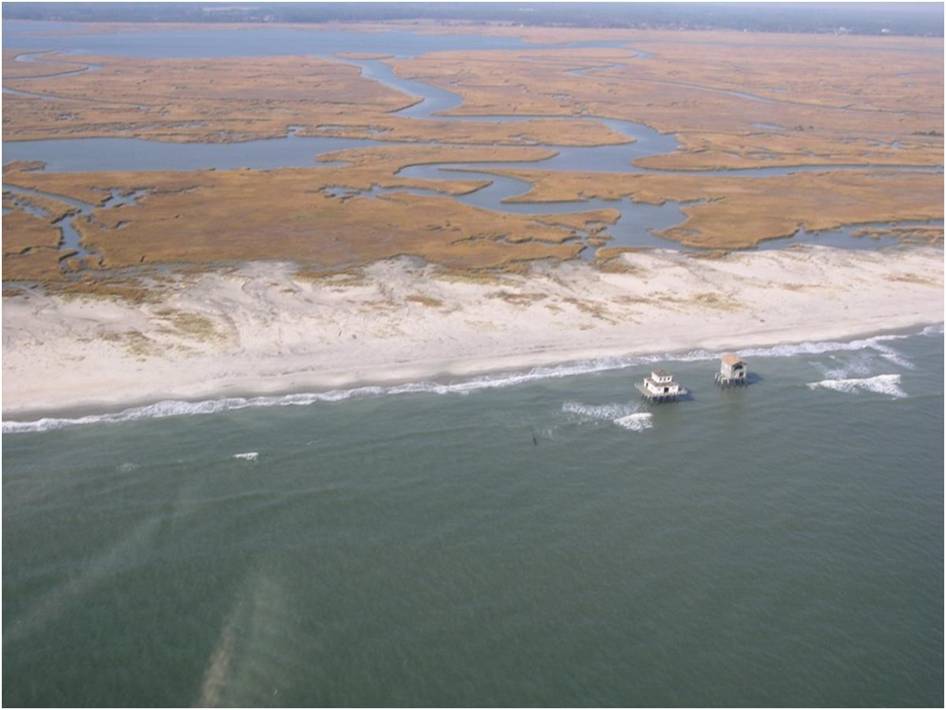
<point x="39" y="420"/>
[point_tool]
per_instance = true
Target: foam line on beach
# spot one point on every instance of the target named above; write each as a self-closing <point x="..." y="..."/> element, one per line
<point x="171" y="408"/>
<point x="878" y="343"/>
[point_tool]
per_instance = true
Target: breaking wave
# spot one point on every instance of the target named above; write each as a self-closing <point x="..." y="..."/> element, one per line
<point x="623" y="415"/>
<point x="878" y="344"/>
<point x="882" y="384"/>
<point x="170" y="408"/>
<point x="608" y="412"/>
<point x="860" y="365"/>
<point x="636" y="422"/>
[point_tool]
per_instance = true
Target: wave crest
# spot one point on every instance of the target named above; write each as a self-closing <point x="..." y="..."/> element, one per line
<point x="169" y="408"/>
<point x="608" y="412"/>
<point x="882" y="384"/>
<point x="625" y="416"/>
<point x="636" y="422"/>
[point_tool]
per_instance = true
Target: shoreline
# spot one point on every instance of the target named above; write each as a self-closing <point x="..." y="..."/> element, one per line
<point x="471" y="377"/>
<point x="264" y="329"/>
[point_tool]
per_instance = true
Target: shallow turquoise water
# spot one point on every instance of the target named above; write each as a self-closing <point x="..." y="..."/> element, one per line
<point x="775" y="545"/>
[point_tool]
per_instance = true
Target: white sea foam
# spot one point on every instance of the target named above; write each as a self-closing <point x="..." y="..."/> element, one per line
<point x="248" y="456"/>
<point x="174" y="408"/>
<point x="170" y="408"/>
<point x="606" y="412"/>
<point x="847" y="365"/>
<point x="864" y="353"/>
<point x="625" y="416"/>
<point x="882" y="384"/>
<point x="878" y="344"/>
<point x="893" y="356"/>
<point x="636" y="422"/>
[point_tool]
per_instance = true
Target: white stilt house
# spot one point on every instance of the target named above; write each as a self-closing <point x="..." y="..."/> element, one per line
<point x="660" y="387"/>
<point x="732" y="371"/>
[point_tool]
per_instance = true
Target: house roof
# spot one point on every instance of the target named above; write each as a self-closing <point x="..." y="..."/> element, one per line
<point x="730" y="359"/>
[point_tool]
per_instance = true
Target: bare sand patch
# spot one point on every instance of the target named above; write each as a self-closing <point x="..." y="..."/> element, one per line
<point x="261" y="327"/>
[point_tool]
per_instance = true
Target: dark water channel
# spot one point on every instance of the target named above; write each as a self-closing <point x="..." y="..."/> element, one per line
<point x="638" y="225"/>
<point x="71" y="241"/>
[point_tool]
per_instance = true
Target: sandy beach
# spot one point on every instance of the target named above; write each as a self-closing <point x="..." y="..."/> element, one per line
<point x="265" y="328"/>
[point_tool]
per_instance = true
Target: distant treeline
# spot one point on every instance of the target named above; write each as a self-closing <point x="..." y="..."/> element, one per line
<point x="857" y="18"/>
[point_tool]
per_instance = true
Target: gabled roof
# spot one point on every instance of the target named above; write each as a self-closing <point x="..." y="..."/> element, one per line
<point x="730" y="359"/>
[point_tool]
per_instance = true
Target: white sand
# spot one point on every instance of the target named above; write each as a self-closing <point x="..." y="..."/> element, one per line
<point x="259" y="330"/>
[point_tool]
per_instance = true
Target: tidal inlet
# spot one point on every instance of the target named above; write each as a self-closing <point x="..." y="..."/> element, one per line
<point x="461" y="355"/>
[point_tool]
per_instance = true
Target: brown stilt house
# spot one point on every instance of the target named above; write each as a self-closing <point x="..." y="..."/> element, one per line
<point x="733" y="371"/>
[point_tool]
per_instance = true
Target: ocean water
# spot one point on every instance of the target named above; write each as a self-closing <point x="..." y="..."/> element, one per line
<point x="536" y="538"/>
<point x="532" y="538"/>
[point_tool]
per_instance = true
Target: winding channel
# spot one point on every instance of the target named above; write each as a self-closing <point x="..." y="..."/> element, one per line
<point x="638" y="225"/>
<point x="70" y="241"/>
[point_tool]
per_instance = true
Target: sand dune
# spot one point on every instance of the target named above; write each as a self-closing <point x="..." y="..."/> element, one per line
<point x="264" y="327"/>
